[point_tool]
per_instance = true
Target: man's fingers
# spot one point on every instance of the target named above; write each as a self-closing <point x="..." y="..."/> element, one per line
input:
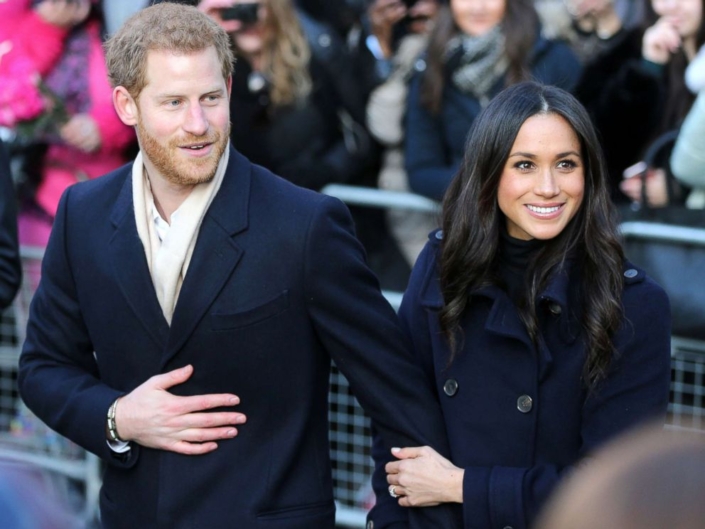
<point x="171" y="378"/>
<point x="191" y="449"/>
<point x="213" y="420"/>
<point x="204" y="435"/>
<point x="408" y="452"/>
<point x="206" y="402"/>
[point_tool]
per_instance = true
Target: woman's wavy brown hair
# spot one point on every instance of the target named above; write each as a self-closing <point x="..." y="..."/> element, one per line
<point x="472" y="221"/>
<point x="286" y="54"/>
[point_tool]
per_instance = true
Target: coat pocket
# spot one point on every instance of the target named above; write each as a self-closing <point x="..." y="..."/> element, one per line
<point x="319" y="515"/>
<point x="250" y="316"/>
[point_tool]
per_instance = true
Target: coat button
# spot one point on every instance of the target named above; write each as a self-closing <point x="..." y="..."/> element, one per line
<point x="555" y="309"/>
<point x="439" y="235"/>
<point x="450" y="388"/>
<point x="370" y="524"/>
<point x="525" y="403"/>
<point x="630" y="273"/>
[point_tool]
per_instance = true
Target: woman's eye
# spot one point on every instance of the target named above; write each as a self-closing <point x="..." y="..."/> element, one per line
<point x="523" y="166"/>
<point x="567" y="164"/>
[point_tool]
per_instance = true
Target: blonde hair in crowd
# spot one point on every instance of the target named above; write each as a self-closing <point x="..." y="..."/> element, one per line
<point x="164" y="27"/>
<point x="286" y="54"/>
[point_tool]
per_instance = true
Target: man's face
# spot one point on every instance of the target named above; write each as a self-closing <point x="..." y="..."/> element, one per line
<point x="183" y="118"/>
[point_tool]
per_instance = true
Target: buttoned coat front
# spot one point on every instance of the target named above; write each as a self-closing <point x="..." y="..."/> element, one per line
<point x="518" y="416"/>
<point x="276" y="287"/>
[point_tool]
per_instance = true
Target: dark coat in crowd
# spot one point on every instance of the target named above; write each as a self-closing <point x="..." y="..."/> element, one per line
<point x="518" y="416"/>
<point x="10" y="269"/>
<point x="276" y="287"/>
<point x="626" y="98"/>
<point x="306" y="142"/>
<point x="435" y="145"/>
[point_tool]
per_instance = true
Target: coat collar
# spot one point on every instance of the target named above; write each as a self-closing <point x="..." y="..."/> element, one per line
<point x="214" y="258"/>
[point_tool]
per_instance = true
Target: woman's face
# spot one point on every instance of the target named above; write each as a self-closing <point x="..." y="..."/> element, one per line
<point x="477" y="17"/>
<point x="250" y="37"/>
<point x="685" y="15"/>
<point x="543" y="181"/>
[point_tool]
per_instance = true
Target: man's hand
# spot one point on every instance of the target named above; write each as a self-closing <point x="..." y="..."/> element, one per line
<point x="655" y="184"/>
<point x="81" y="131"/>
<point x="213" y="8"/>
<point x="424" y="478"/>
<point x="153" y="417"/>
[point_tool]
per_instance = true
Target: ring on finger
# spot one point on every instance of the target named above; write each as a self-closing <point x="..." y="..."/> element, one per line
<point x="392" y="491"/>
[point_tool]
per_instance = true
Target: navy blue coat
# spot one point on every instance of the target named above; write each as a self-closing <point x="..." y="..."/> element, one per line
<point x="276" y="287"/>
<point x="434" y="145"/>
<point x="10" y="269"/>
<point x="518" y="416"/>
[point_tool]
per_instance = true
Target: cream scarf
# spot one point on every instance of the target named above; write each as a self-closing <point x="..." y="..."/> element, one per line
<point x="168" y="260"/>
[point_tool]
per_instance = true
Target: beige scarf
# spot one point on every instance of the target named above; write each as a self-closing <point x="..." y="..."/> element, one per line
<point x="168" y="260"/>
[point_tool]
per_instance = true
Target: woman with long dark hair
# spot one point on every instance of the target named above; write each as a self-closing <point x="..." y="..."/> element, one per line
<point x="477" y="48"/>
<point x="540" y="340"/>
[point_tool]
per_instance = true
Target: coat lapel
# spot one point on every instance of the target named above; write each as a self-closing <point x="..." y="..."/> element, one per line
<point x="216" y="254"/>
<point x="130" y="267"/>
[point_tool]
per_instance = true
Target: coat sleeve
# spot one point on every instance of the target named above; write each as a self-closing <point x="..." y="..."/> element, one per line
<point x="688" y="157"/>
<point x="635" y="390"/>
<point x="361" y="332"/>
<point x="426" y="160"/>
<point x="58" y="374"/>
<point x="10" y="269"/>
<point x="558" y="67"/>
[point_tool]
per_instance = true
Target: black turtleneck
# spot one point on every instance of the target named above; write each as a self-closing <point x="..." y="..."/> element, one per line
<point x="514" y="257"/>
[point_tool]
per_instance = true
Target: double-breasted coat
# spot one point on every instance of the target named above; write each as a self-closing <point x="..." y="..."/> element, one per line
<point x="276" y="287"/>
<point x="518" y="415"/>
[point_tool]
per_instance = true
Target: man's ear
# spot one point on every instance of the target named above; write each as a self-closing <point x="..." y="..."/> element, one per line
<point x="125" y="106"/>
<point x="230" y="85"/>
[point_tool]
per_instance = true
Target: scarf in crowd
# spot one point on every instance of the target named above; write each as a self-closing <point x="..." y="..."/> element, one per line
<point x="168" y="260"/>
<point x="477" y="63"/>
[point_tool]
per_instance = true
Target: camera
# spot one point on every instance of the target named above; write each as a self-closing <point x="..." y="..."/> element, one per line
<point x="245" y="13"/>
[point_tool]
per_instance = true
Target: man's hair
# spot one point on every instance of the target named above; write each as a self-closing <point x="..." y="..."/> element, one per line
<point x="175" y="28"/>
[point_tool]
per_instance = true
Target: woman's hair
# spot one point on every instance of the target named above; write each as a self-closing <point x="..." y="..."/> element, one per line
<point x="286" y="54"/>
<point x="520" y="27"/>
<point x="162" y="27"/>
<point x="472" y="222"/>
<point x="679" y="99"/>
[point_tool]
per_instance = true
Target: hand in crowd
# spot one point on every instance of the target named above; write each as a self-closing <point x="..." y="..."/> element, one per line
<point x="81" y="131"/>
<point x="422" y="15"/>
<point x="63" y="13"/>
<point x="383" y="15"/>
<point x="212" y="8"/>
<point x="153" y="417"/>
<point x="655" y="188"/>
<point x="423" y="477"/>
<point x="660" y="42"/>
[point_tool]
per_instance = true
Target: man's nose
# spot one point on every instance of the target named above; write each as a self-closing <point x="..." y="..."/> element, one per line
<point x="196" y="121"/>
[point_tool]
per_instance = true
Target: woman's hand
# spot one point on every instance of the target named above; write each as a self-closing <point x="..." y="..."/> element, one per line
<point x="63" y="13"/>
<point x="655" y="188"/>
<point x="423" y="477"/>
<point x="213" y="8"/>
<point x="383" y="15"/>
<point x="660" y="42"/>
<point x="81" y="131"/>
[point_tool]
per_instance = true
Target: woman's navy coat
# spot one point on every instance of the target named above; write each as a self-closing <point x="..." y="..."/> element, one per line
<point x="517" y="415"/>
<point x="435" y="144"/>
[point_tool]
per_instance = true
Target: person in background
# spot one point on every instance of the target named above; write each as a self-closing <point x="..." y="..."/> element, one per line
<point x="190" y="306"/>
<point x="387" y="104"/>
<point x="10" y="267"/>
<point x="646" y="479"/>
<point x="589" y="26"/>
<point x="63" y="40"/>
<point x="476" y="48"/>
<point x="538" y="338"/>
<point x="636" y="92"/>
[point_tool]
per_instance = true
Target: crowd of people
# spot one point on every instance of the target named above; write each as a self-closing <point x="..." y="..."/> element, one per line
<point x="195" y="286"/>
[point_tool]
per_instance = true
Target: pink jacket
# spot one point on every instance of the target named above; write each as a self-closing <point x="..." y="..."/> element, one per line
<point x="64" y="164"/>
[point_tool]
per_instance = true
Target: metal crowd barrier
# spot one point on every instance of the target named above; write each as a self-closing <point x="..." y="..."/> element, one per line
<point x="73" y="473"/>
